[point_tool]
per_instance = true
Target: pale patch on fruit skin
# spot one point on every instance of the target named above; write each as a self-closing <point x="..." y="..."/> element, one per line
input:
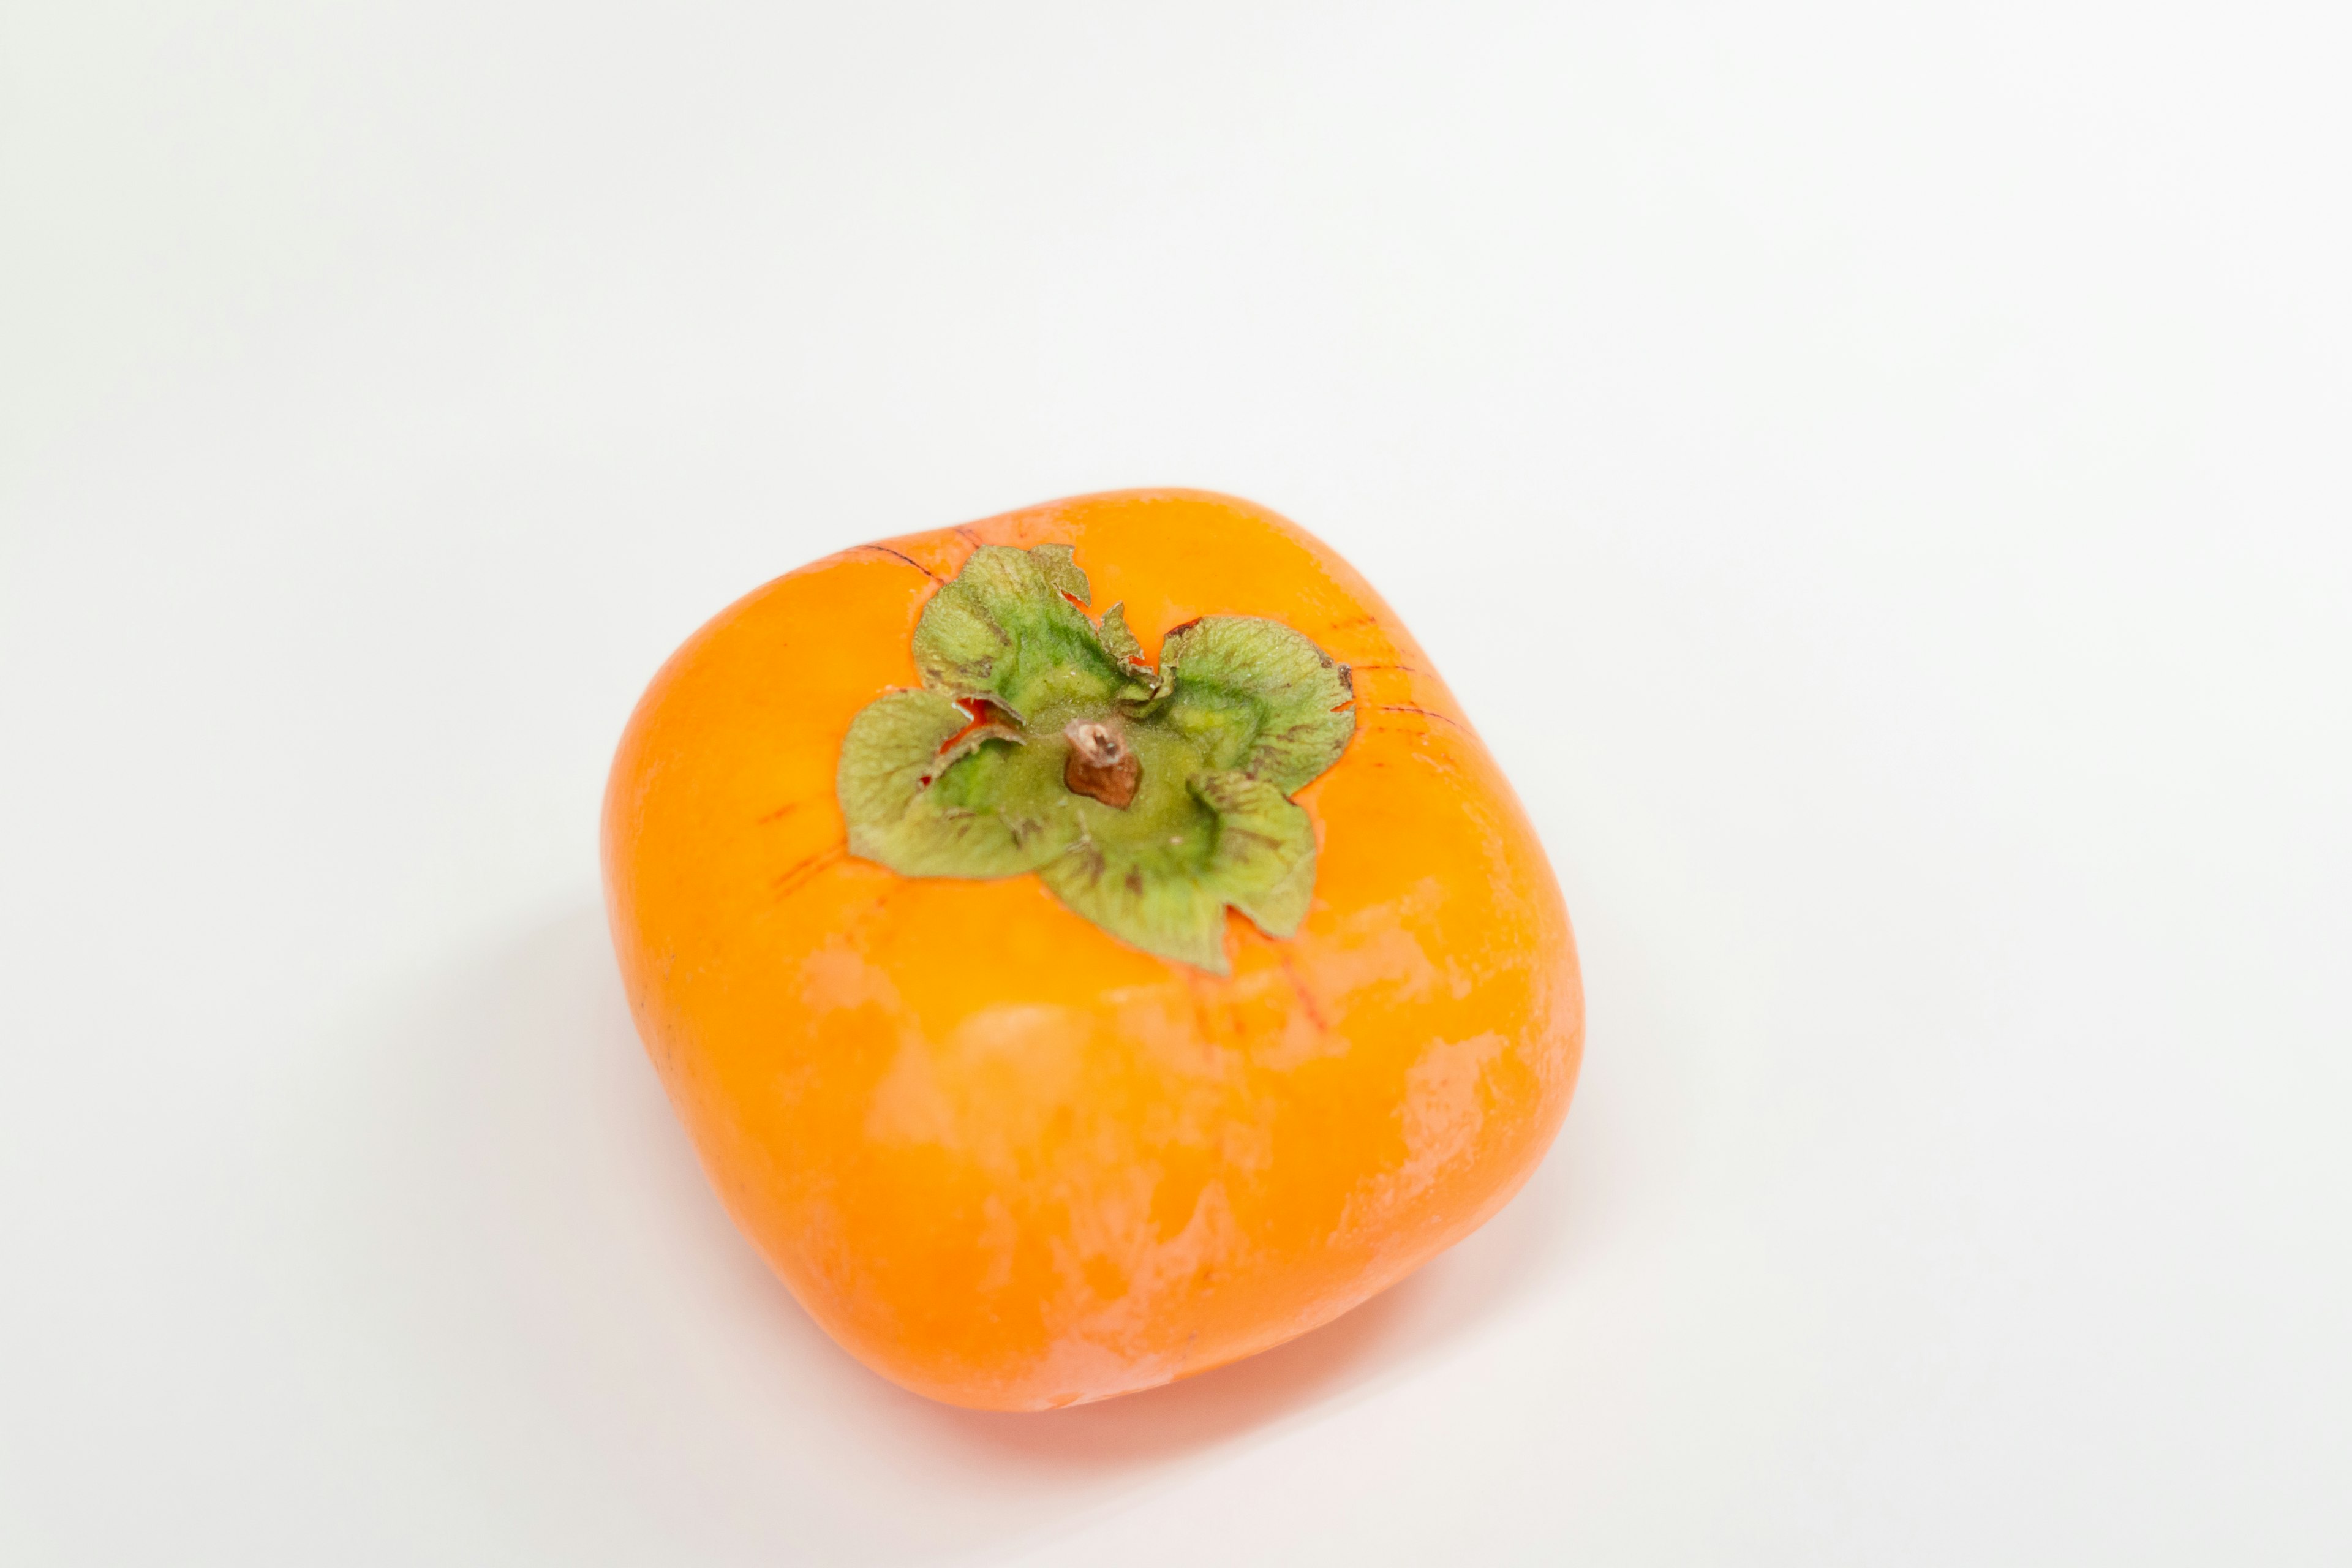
<point x="988" y="1091"/>
<point x="1281" y="1011"/>
<point x="1159" y="1022"/>
<point x="1006" y="1091"/>
<point x="1127" y="1284"/>
<point x="1443" y="1112"/>
<point x="1442" y="1106"/>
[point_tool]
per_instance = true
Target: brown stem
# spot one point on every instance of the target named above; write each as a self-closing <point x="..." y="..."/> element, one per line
<point x="1102" y="764"/>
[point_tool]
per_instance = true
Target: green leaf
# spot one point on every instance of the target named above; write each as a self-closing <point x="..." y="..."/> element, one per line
<point x="1142" y="683"/>
<point x="1176" y="917"/>
<point x="1260" y="860"/>
<point x="1002" y="630"/>
<point x="1259" y="698"/>
<point x="926" y="809"/>
<point x="1263" y="862"/>
<point x="1058" y="564"/>
<point x="1119" y="642"/>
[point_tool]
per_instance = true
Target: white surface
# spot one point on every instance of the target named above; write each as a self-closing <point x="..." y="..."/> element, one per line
<point x="1880" y="484"/>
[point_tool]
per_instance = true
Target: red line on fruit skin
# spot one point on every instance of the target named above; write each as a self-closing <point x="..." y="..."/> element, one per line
<point x="1204" y="1017"/>
<point x="910" y="559"/>
<point x="1424" y="713"/>
<point x="1305" y="997"/>
<point x="1438" y="757"/>
<point x="1408" y="668"/>
<point x="964" y="532"/>
<point x="1353" y="622"/>
<point x="780" y="812"/>
<point x="1424" y="731"/>
<point x="1434" y="756"/>
<point x="797" y="876"/>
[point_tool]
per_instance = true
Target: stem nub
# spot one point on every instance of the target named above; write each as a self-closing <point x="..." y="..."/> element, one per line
<point x="1102" y="765"/>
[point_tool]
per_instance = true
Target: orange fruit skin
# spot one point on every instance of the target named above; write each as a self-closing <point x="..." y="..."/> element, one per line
<point x="1004" y="1159"/>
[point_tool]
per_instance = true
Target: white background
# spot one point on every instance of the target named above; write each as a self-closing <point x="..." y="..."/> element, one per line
<point x="1879" y="480"/>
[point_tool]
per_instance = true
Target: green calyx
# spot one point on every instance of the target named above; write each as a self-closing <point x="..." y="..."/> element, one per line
<point x="974" y="774"/>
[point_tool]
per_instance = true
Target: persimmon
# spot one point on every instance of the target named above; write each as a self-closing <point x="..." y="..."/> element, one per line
<point x="1067" y="1001"/>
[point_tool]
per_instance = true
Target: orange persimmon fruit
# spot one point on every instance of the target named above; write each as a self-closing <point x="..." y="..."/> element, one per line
<point x="1066" y="998"/>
